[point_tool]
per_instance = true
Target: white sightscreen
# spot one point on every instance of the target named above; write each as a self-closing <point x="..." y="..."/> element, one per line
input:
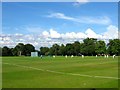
<point x="34" y="54"/>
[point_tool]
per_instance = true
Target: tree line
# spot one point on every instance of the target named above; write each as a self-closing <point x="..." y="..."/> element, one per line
<point x="89" y="46"/>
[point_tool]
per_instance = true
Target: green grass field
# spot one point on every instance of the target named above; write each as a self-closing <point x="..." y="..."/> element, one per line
<point x="59" y="72"/>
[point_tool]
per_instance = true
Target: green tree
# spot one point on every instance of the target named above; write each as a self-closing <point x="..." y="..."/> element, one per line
<point x="54" y="50"/>
<point x="62" y="50"/>
<point x="6" y="51"/>
<point x="44" y="50"/>
<point x="88" y="47"/>
<point x="19" y="49"/>
<point x="100" y="47"/>
<point x="0" y="51"/>
<point x="114" y="47"/>
<point x="69" y="49"/>
<point x="28" y="49"/>
<point x="76" y="46"/>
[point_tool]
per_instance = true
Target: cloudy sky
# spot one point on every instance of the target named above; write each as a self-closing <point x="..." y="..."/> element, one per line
<point x="46" y="23"/>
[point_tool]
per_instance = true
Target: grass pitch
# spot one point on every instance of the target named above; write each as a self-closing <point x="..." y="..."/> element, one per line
<point x="59" y="72"/>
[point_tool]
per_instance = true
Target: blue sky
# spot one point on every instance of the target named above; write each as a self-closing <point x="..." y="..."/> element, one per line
<point x="55" y="20"/>
<point x="20" y="15"/>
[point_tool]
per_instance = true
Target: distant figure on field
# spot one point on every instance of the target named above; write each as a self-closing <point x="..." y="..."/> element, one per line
<point x="96" y="55"/>
<point x="41" y="56"/>
<point x="72" y="56"/>
<point x="107" y="56"/>
<point x="82" y="56"/>
<point x="53" y="56"/>
<point x="113" y="56"/>
<point x="65" y="56"/>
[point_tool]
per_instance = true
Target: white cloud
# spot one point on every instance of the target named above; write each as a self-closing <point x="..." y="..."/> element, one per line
<point x="61" y="16"/>
<point x="69" y="35"/>
<point x="7" y="39"/>
<point x="29" y="37"/>
<point x="48" y="38"/>
<point x="51" y="34"/>
<point x="73" y="35"/>
<point x="111" y="33"/>
<point x="54" y="34"/>
<point x="18" y="34"/>
<point x="119" y="34"/>
<point x="45" y="34"/>
<point x="104" y="20"/>
<point x="81" y="35"/>
<point x="91" y="34"/>
<point x="80" y="2"/>
<point x="35" y="43"/>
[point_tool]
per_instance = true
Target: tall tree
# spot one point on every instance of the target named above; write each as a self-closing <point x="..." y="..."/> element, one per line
<point x="19" y="49"/>
<point x="0" y="51"/>
<point x="28" y="49"/>
<point x="62" y="50"/>
<point x="89" y="46"/>
<point x="69" y="49"/>
<point x="76" y="46"/>
<point x="6" y="51"/>
<point x="44" y="50"/>
<point x="100" y="47"/>
<point x="114" y="47"/>
<point x="54" y="50"/>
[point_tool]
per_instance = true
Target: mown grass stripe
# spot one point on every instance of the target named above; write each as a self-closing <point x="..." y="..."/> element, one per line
<point x="62" y="72"/>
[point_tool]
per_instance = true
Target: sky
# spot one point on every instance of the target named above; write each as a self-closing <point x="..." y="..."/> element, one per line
<point x="46" y="23"/>
<point x="60" y="0"/>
